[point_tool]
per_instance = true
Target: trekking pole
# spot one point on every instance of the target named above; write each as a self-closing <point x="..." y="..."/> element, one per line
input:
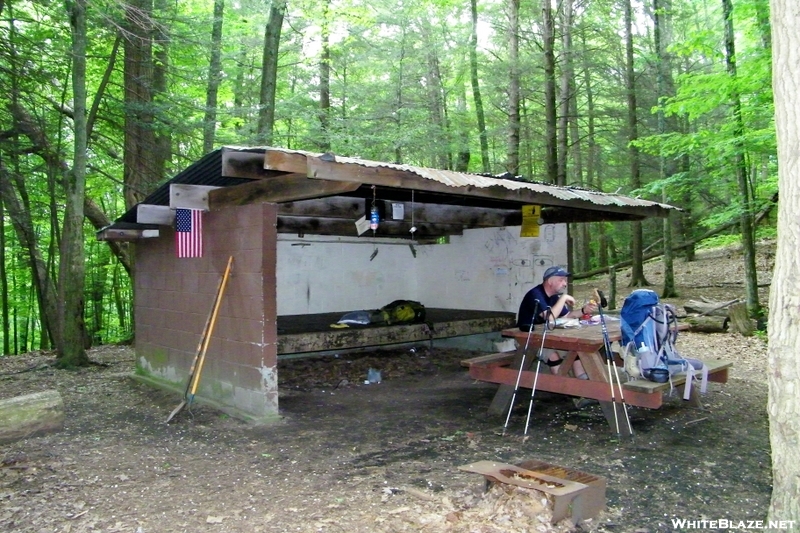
<point x="521" y="365"/>
<point x="547" y="315"/>
<point x="602" y="302"/>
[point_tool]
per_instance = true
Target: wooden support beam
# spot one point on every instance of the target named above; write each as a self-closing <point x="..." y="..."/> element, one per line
<point x="353" y="208"/>
<point x="341" y="226"/>
<point x="243" y="164"/>
<point x="285" y="161"/>
<point x="186" y="196"/>
<point x="126" y="234"/>
<point x="155" y="214"/>
<point x="286" y="188"/>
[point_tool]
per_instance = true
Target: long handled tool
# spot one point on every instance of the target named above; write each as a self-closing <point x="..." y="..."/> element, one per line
<point x="602" y="302"/>
<point x="521" y="365"/>
<point x="547" y="316"/>
<point x="202" y="346"/>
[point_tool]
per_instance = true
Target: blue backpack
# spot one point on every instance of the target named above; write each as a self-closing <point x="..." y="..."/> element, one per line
<point x="649" y="331"/>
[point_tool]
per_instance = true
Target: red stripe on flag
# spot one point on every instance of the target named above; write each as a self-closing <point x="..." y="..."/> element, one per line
<point x="189" y="232"/>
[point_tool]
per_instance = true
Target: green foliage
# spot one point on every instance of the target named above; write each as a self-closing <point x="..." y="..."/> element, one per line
<point x="400" y="91"/>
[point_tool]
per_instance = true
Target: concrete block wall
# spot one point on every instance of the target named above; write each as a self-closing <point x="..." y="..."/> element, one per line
<point x="174" y="298"/>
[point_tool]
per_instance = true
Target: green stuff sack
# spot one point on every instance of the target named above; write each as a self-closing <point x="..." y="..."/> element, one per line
<point x="404" y="312"/>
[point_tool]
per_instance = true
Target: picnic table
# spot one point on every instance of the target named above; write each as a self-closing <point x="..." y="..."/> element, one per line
<point x="585" y="343"/>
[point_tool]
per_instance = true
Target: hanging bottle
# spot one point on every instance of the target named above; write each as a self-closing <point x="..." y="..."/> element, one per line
<point x="374" y="218"/>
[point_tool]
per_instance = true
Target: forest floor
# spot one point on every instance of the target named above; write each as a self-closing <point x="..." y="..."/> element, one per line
<point x="351" y="457"/>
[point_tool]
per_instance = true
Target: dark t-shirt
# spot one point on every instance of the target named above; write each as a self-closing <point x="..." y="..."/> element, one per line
<point x="526" y="308"/>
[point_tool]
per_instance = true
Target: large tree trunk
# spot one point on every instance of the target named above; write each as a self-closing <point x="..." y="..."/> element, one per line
<point x="214" y="77"/>
<point x="71" y="272"/>
<point x="784" y="299"/>
<point x="269" y="72"/>
<point x="476" y="88"/>
<point x="140" y="173"/>
<point x="637" y="272"/>
<point x="740" y="168"/>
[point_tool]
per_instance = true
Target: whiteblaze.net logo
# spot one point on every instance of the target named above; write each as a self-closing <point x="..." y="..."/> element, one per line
<point x="724" y="523"/>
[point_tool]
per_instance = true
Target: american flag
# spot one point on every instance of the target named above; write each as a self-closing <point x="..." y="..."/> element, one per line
<point x="189" y="232"/>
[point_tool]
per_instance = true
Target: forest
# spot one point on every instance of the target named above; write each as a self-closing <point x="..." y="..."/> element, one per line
<point x="668" y="100"/>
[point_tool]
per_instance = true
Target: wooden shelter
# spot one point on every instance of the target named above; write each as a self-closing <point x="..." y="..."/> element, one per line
<point x="302" y="258"/>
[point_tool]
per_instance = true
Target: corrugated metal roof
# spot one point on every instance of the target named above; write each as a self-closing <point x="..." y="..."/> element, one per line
<point x="462" y="179"/>
<point x="205" y="171"/>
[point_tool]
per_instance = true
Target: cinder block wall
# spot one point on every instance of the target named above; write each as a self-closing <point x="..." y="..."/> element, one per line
<point x="174" y="297"/>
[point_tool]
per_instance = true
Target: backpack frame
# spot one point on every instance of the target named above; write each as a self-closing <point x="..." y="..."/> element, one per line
<point x="650" y="344"/>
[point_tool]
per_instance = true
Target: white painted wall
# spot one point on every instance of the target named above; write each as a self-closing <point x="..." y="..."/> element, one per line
<point x="488" y="269"/>
<point x="327" y="274"/>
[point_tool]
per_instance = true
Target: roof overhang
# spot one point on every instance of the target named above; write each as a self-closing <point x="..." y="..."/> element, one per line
<point x="325" y="194"/>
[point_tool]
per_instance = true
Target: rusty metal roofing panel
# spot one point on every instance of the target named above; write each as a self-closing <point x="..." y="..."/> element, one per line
<point x="462" y="179"/>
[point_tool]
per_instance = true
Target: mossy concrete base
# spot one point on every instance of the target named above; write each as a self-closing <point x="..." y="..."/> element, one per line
<point x="229" y="410"/>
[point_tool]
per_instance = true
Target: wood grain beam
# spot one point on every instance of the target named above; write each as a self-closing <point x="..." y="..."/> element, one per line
<point x="285" y="161"/>
<point x="243" y="164"/>
<point x="126" y="234"/>
<point x="352" y="208"/>
<point x="343" y="227"/>
<point x="285" y="188"/>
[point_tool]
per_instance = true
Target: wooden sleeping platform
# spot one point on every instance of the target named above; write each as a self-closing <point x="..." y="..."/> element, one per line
<point x="313" y="333"/>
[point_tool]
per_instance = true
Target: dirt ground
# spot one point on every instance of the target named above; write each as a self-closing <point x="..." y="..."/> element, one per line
<point x="351" y="457"/>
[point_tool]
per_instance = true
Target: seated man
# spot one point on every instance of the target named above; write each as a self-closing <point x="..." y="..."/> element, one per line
<point x="551" y="295"/>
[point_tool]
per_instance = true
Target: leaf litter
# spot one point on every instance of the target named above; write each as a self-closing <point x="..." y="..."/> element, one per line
<point x="350" y="457"/>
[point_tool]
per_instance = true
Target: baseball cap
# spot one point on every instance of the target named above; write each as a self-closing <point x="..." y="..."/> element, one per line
<point x="555" y="271"/>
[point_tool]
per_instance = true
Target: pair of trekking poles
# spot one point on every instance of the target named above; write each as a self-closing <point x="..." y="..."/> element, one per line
<point x="609" y="355"/>
<point x="548" y="314"/>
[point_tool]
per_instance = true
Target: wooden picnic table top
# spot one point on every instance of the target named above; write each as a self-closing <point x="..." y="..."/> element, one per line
<point x="587" y="338"/>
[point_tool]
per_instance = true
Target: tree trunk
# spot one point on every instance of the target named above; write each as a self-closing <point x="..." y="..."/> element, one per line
<point x="140" y="174"/>
<point x="637" y="270"/>
<point x="214" y="77"/>
<point x="566" y="94"/>
<point x="740" y="168"/>
<point x="71" y="272"/>
<point x="476" y="89"/>
<point x="662" y="35"/>
<point x="43" y="284"/>
<point x="551" y="135"/>
<point x="324" y="141"/>
<point x="783" y="365"/>
<point x="591" y="157"/>
<point x="512" y="149"/>
<point x="463" y="153"/>
<point x="32" y="414"/>
<point x="269" y="72"/>
<point x="436" y="103"/>
<point x="4" y="281"/>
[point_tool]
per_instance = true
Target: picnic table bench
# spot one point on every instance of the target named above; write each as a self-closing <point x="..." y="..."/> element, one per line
<point x="584" y="343"/>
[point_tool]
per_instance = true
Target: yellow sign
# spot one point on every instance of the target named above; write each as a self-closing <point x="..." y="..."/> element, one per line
<point x="531" y="215"/>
